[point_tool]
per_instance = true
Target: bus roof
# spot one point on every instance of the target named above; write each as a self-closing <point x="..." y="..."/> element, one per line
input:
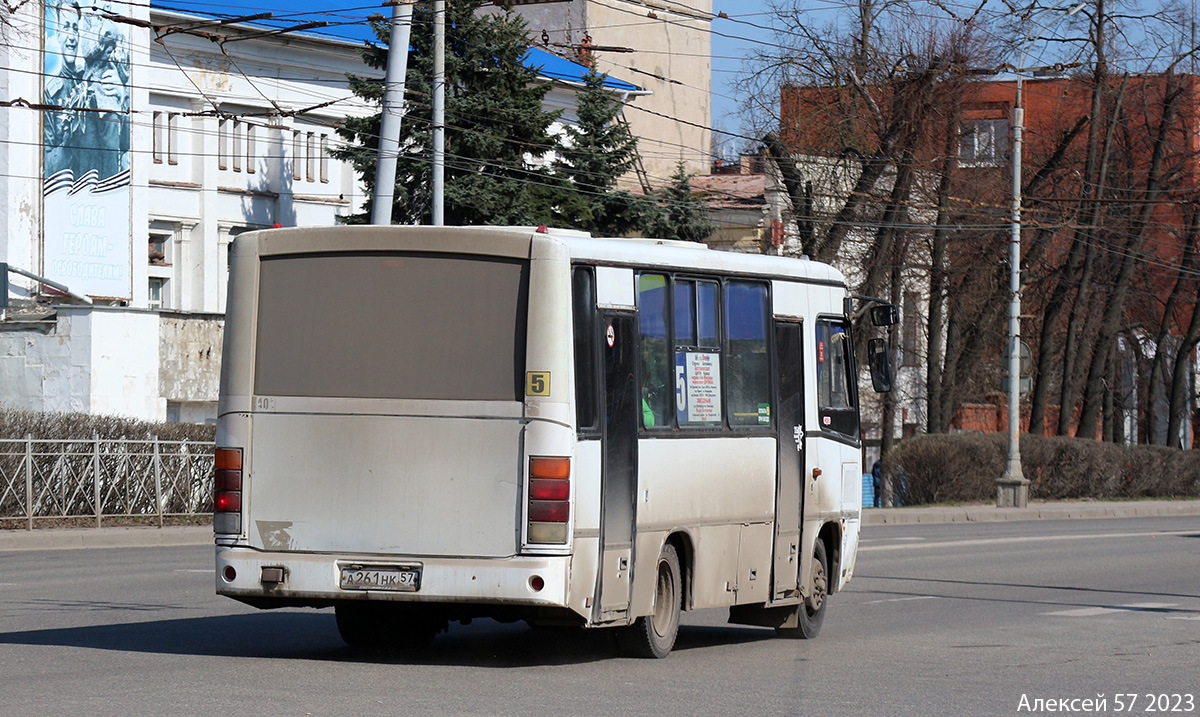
<point x="641" y="251"/>
<point x="689" y="255"/>
<point x="610" y="251"/>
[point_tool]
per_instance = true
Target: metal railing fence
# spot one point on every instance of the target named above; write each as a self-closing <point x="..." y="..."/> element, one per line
<point x="103" y="478"/>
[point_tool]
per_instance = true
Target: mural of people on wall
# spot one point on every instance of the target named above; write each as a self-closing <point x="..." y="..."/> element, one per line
<point x="86" y="195"/>
<point x="87" y="78"/>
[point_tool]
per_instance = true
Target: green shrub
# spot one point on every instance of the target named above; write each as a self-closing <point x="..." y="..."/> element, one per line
<point x="963" y="467"/>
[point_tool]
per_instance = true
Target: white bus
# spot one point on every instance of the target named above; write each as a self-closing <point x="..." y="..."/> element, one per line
<point x="423" y="425"/>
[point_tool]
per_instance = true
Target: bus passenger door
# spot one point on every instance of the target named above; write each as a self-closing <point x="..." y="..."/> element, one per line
<point x="619" y="465"/>
<point x="789" y="481"/>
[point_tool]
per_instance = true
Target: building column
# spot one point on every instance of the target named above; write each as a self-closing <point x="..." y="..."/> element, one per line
<point x="201" y="251"/>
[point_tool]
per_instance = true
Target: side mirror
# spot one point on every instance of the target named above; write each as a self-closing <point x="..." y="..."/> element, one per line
<point x="885" y="315"/>
<point x="879" y="360"/>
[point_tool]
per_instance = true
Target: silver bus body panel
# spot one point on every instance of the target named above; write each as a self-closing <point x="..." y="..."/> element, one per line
<point x="384" y="484"/>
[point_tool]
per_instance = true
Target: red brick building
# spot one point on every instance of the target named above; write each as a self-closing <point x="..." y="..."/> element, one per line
<point x="970" y="123"/>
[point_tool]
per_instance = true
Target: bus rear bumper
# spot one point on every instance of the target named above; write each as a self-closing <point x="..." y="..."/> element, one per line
<point x="276" y="579"/>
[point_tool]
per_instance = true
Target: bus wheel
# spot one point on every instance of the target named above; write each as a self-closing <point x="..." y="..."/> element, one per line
<point x="654" y="635"/>
<point x="811" y="613"/>
<point x="382" y="627"/>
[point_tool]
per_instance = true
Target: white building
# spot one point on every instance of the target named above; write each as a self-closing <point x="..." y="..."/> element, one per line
<point x="198" y="130"/>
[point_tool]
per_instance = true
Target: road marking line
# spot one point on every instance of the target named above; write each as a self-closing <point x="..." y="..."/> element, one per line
<point x="1084" y="612"/>
<point x="1027" y="539"/>
<point x="917" y="597"/>
<point x="1193" y="617"/>
<point x="192" y="570"/>
<point x="1094" y="611"/>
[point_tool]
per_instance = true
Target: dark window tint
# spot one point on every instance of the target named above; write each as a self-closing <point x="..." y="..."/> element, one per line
<point x="706" y="314"/>
<point x="391" y="325"/>
<point x="583" y="307"/>
<point x="656" y="350"/>
<point x="697" y="355"/>
<point x="747" y="379"/>
<point x="685" y="313"/>
<point x="836" y="400"/>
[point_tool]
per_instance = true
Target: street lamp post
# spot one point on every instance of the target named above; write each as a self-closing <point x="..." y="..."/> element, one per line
<point x="1012" y="488"/>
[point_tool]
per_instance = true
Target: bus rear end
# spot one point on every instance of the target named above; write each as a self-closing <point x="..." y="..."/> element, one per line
<point x="383" y="446"/>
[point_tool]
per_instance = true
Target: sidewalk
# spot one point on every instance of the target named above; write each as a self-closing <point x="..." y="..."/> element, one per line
<point x="1051" y="510"/>
<point x="143" y="537"/>
<point x="70" y="538"/>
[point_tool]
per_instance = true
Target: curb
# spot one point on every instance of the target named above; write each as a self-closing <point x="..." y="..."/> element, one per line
<point x="75" y="538"/>
<point x="1039" y="511"/>
<point x="150" y="537"/>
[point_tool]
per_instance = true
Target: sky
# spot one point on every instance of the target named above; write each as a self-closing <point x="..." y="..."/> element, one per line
<point x="732" y="41"/>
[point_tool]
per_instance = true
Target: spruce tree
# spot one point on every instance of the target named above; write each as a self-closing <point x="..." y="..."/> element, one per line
<point x="597" y="152"/>
<point x="495" y="122"/>
<point x="684" y="215"/>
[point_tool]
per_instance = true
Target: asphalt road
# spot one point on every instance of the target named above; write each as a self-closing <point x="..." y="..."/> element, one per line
<point x="953" y="619"/>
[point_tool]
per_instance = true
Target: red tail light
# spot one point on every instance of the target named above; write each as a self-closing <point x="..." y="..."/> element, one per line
<point x="549" y="511"/>
<point x="227" y="491"/>
<point x="549" y="499"/>
<point x="229" y="501"/>
<point x="549" y="489"/>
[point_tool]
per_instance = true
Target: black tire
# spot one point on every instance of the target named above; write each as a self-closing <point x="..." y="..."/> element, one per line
<point x="385" y="627"/>
<point x="654" y="635"/>
<point x="811" y="612"/>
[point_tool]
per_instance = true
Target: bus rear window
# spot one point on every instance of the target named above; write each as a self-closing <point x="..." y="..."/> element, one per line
<point x="369" y="325"/>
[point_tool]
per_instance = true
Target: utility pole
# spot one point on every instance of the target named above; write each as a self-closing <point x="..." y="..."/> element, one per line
<point x="1012" y="488"/>
<point x="392" y="110"/>
<point x="439" y="112"/>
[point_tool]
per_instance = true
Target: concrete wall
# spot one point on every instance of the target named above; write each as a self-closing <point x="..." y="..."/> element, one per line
<point x="189" y="350"/>
<point x="42" y="367"/>
<point x="117" y="361"/>
<point x="124" y="362"/>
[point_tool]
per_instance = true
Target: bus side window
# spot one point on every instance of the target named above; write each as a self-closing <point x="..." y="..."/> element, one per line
<point x="697" y="355"/>
<point x="706" y="314"/>
<point x="656" y="366"/>
<point x="748" y="384"/>
<point x="583" y="310"/>
<point x="836" y="401"/>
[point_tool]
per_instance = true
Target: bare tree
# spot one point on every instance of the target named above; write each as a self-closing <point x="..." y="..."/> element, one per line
<point x="1130" y="259"/>
<point x="867" y="151"/>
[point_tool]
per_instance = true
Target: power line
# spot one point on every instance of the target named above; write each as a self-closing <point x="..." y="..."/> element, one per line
<point x="661" y="115"/>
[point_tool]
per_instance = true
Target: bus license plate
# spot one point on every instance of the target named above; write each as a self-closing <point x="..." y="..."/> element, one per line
<point x="379" y="577"/>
